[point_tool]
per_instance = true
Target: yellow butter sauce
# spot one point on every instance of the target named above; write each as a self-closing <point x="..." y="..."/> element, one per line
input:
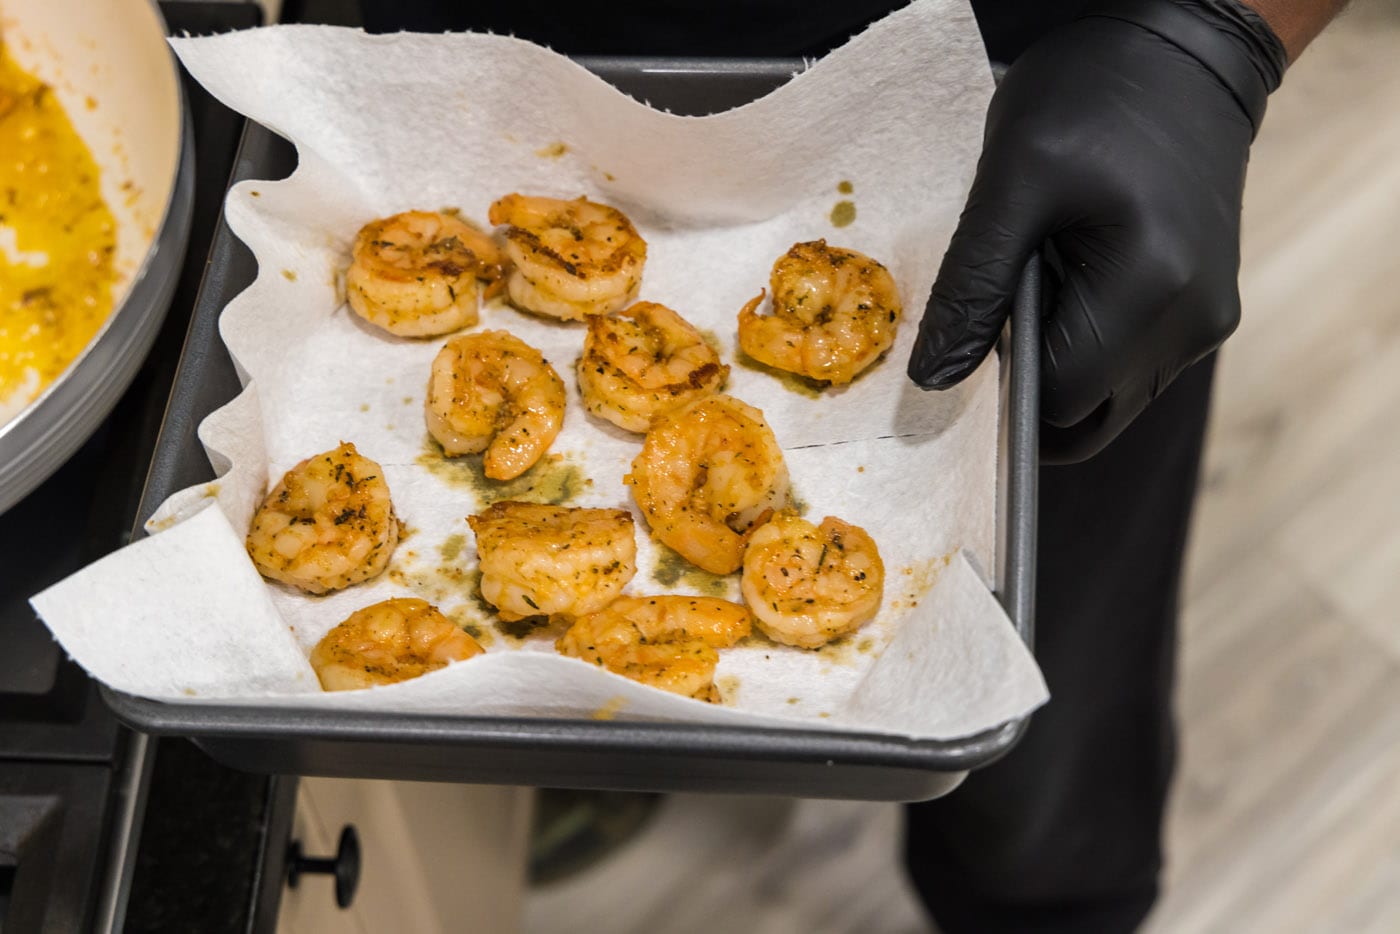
<point x="57" y="239"/>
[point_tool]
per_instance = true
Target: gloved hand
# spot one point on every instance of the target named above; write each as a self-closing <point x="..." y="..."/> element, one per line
<point x="1119" y="142"/>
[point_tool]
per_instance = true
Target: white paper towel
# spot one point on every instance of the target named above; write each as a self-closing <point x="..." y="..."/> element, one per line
<point x="388" y="123"/>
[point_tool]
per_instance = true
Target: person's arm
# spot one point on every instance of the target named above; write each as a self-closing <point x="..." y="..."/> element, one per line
<point x="1118" y="145"/>
<point x="1297" y="22"/>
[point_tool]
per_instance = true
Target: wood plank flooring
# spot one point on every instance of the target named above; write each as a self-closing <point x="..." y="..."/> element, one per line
<point x="1286" y="813"/>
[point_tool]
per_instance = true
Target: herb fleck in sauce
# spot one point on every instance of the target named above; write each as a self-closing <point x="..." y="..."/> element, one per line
<point x="672" y="569"/>
<point x="554" y="481"/>
<point x="802" y="385"/>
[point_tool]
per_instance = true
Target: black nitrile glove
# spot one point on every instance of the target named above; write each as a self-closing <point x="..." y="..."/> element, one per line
<point x="1118" y="142"/>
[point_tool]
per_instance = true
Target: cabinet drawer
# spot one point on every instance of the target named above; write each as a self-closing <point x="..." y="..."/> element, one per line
<point x="434" y="857"/>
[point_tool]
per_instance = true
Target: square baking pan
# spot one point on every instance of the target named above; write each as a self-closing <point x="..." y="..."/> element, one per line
<point x="581" y="753"/>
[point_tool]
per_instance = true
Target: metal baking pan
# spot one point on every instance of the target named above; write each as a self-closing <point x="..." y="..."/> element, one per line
<point x="585" y="753"/>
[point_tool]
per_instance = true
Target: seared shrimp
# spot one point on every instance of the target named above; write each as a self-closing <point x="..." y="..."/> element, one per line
<point x="327" y="525"/>
<point x="644" y="362"/>
<point x="415" y="274"/>
<point x="572" y="258"/>
<point x="553" y="560"/>
<point x="706" y="475"/>
<point x="666" y="642"/>
<point x="835" y="312"/>
<point x="809" y="584"/>
<point x="492" y="392"/>
<point x="389" y="641"/>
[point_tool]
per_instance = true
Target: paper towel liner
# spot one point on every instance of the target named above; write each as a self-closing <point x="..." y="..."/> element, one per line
<point x="388" y="123"/>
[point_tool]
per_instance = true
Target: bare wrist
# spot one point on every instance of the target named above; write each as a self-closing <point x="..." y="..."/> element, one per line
<point x="1296" y="22"/>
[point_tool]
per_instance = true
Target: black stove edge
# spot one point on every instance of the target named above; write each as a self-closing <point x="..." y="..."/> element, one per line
<point x="135" y="762"/>
<point x="270" y="868"/>
<point x="128" y="799"/>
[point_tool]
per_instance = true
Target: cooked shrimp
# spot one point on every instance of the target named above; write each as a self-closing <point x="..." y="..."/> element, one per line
<point x="327" y="525"/>
<point x="572" y="258"/>
<point x="389" y="641"/>
<point x="644" y="362"/>
<point x="492" y="392"/>
<point x="666" y="642"/>
<point x="553" y="560"/>
<point x="809" y="584"/>
<point x="835" y="312"/>
<point x="706" y="475"/>
<point x="415" y="274"/>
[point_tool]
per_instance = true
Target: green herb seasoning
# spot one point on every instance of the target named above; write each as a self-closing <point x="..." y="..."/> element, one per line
<point x="554" y="481"/>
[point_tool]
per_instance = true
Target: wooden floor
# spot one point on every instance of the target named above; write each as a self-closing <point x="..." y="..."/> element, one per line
<point x="1286" y="813"/>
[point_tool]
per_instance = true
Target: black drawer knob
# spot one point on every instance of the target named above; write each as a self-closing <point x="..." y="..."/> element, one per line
<point x="344" y="865"/>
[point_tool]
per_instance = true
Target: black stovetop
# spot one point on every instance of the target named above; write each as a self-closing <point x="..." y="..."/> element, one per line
<point x="63" y="757"/>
